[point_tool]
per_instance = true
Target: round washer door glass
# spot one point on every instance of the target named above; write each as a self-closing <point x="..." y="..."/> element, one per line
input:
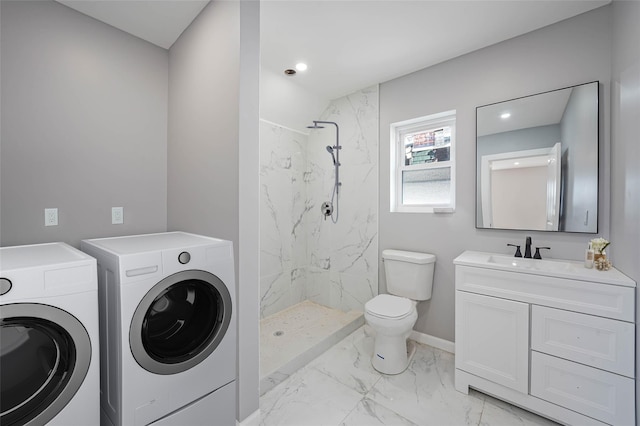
<point x="180" y="322"/>
<point x="44" y="358"/>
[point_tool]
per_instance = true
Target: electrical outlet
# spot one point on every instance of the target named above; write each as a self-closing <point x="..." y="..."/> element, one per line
<point x="117" y="215"/>
<point x="50" y="217"/>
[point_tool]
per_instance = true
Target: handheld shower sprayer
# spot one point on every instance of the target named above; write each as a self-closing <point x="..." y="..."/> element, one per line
<point x="335" y="155"/>
<point x="330" y="151"/>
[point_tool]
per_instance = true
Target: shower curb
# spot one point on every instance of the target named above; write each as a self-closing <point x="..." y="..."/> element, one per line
<point x="269" y="382"/>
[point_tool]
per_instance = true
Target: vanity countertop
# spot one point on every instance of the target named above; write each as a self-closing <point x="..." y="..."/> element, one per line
<point x="547" y="267"/>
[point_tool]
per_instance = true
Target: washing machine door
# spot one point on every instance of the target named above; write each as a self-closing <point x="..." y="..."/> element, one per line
<point x="180" y="322"/>
<point x="45" y="354"/>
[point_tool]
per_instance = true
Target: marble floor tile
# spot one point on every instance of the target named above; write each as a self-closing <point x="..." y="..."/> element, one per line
<point x="369" y="413"/>
<point x="341" y="387"/>
<point x="424" y="393"/>
<point x="500" y="413"/>
<point x="349" y="362"/>
<point x="307" y="398"/>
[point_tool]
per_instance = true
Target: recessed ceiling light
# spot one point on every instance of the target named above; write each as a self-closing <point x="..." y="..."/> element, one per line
<point x="301" y="66"/>
<point x="505" y="115"/>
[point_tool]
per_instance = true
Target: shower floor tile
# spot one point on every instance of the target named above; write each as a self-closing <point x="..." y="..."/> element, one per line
<point x="299" y="330"/>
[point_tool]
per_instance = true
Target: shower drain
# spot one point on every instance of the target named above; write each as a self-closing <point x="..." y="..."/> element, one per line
<point x="278" y="333"/>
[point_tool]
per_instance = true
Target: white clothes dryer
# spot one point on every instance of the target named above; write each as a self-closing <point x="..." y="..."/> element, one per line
<point x="168" y="329"/>
<point x="48" y="336"/>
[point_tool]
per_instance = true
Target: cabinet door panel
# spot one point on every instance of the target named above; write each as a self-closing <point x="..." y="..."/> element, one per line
<point x="598" y="342"/>
<point x="492" y="339"/>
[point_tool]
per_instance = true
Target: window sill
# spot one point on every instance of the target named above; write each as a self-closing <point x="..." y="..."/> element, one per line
<point x="423" y="209"/>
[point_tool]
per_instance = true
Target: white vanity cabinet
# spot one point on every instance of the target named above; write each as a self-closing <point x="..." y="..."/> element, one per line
<point x="552" y="337"/>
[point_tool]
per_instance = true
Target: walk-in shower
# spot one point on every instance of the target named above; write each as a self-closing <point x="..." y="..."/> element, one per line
<point x="330" y="208"/>
<point x="316" y="276"/>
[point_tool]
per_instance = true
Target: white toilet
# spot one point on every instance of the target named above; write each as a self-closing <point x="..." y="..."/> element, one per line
<point x="392" y="316"/>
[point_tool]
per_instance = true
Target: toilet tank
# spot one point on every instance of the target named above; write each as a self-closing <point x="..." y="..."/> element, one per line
<point x="409" y="274"/>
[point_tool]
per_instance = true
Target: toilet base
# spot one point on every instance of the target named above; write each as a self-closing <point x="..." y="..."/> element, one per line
<point x="392" y="354"/>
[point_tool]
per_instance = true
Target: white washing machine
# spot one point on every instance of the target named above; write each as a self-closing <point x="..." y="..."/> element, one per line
<point x="48" y="336"/>
<point x="168" y="329"/>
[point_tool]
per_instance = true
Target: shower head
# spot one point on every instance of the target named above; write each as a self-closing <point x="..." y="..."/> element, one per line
<point x="330" y="149"/>
<point x="315" y="126"/>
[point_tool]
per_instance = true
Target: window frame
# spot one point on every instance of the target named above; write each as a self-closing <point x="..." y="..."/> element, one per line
<point x="397" y="161"/>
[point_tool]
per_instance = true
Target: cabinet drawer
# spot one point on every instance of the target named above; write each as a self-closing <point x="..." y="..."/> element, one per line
<point x="609" y="301"/>
<point x="598" y="342"/>
<point x="595" y="393"/>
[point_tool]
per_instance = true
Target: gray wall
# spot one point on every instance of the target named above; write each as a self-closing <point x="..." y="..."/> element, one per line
<point x="202" y="192"/>
<point x="625" y="150"/>
<point x="570" y="52"/>
<point x="213" y="117"/>
<point x="249" y="206"/>
<point x="84" y="110"/>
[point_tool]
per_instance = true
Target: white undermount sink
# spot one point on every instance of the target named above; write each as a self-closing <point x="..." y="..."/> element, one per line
<point x="532" y="264"/>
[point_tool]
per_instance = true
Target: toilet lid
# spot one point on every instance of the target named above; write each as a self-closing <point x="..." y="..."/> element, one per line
<point x="389" y="306"/>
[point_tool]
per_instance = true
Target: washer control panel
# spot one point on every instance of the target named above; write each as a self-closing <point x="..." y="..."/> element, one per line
<point x="184" y="257"/>
<point x="5" y="286"/>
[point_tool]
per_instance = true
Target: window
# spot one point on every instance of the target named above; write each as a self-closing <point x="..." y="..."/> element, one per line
<point x="423" y="164"/>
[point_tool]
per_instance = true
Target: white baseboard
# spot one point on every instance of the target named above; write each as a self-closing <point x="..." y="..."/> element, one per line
<point x="251" y="420"/>
<point x="436" y="342"/>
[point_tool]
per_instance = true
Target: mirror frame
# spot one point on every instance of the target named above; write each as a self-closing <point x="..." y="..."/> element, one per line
<point x="562" y="166"/>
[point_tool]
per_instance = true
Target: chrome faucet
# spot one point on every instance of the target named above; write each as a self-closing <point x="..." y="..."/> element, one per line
<point x="527" y="248"/>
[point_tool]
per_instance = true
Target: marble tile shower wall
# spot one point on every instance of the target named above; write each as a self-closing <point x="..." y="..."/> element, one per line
<point x="283" y="207"/>
<point x="304" y="256"/>
<point x="343" y="269"/>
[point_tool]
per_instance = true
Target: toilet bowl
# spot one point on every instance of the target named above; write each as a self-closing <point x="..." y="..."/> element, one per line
<point x="392" y="316"/>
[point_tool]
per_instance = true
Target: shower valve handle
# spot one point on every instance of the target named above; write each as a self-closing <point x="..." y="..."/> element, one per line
<point x="327" y="209"/>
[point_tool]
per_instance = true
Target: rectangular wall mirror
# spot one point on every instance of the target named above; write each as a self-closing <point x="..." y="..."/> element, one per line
<point x="537" y="162"/>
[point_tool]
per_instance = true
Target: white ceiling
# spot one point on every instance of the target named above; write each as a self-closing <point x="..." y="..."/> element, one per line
<point x="351" y="44"/>
<point x="158" y="21"/>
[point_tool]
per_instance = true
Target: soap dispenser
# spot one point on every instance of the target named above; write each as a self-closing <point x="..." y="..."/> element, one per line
<point x="589" y="256"/>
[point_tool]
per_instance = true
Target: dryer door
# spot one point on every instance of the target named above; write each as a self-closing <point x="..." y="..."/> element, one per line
<point x="180" y="322"/>
<point x="44" y="357"/>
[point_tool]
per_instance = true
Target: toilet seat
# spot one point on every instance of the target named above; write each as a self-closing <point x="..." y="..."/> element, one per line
<point x="387" y="306"/>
